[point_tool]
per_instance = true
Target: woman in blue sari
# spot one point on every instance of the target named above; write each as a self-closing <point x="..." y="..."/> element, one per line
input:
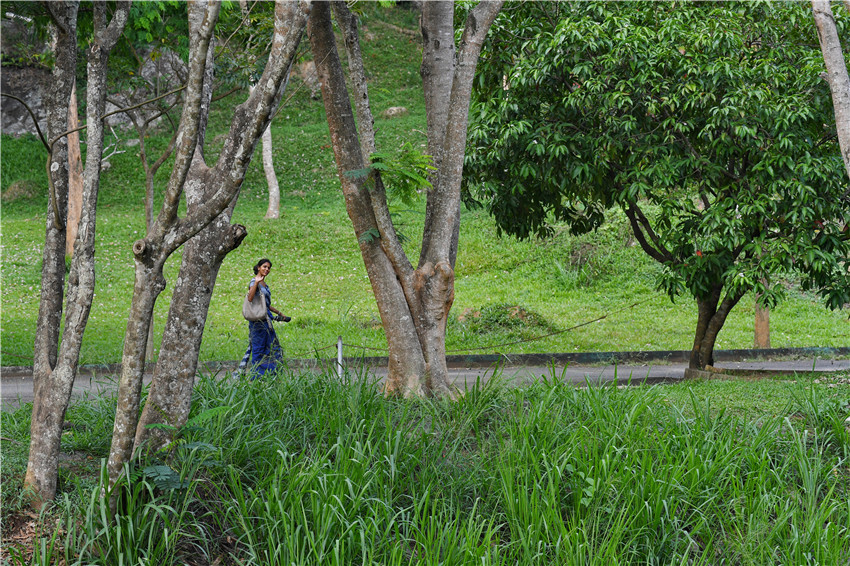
<point x="264" y="349"/>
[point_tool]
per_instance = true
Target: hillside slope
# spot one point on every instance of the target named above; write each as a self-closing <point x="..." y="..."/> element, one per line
<point x="506" y="291"/>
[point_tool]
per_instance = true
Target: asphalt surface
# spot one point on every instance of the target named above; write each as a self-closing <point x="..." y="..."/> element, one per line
<point x="16" y="385"/>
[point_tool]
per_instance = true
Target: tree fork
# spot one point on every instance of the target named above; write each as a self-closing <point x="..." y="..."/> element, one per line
<point x="53" y="390"/>
<point x="192" y="176"/>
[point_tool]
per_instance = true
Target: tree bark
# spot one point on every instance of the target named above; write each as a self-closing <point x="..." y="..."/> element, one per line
<point x="413" y="303"/>
<point x="40" y="477"/>
<point x="836" y="70"/>
<point x="273" y="211"/>
<point x="75" y="176"/>
<point x="762" y="327"/>
<point x="45" y="348"/>
<point x="437" y="70"/>
<point x="54" y="388"/>
<point x="170" y="396"/>
<point x="249" y="121"/>
<point x="710" y="321"/>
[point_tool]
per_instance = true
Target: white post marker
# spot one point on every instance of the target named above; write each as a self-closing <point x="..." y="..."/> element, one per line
<point x="339" y="356"/>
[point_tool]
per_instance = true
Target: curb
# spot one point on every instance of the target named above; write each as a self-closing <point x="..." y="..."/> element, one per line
<point x="507" y="360"/>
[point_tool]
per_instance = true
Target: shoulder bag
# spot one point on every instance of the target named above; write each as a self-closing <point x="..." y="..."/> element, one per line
<point x="256" y="309"/>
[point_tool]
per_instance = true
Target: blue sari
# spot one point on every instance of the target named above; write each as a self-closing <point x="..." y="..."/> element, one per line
<point x="264" y="350"/>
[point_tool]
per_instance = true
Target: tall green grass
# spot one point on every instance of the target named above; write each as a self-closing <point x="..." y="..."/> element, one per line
<point x="305" y="468"/>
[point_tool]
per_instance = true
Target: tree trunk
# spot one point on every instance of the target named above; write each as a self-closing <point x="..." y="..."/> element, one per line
<point x="151" y="252"/>
<point x="48" y="327"/>
<point x="437" y="71"/>
<point x="414" y="303"/>
<point x="273" y="211"/>
<point x="47" y="414"/>
<point x="170" y="395"/>
<point x="762" y="327"/>
<point x="54" y="388"/>
<point x="75" y="176"/>
<point x="404" y="369"/>
<point x="709" y="323"/>
<point x="271" y="178"/>
<point x="836" y="70"/>
<point x="250" y="120"/>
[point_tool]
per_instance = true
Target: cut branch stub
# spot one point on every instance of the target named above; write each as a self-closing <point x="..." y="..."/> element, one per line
<point x="139" y="248"/>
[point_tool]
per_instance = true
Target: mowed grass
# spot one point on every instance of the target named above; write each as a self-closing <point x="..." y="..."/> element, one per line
<point x="318" y="276"/>
<point x="305" y="468"/>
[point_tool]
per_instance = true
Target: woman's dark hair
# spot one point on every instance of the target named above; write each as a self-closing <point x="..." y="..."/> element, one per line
<point x="261" y="262"/>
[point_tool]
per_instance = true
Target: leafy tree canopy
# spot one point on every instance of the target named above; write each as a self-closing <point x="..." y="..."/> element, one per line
<point x="707" y="123"/>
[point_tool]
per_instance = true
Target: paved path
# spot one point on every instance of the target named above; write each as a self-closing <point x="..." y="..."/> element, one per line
<point x="16" y="384"/>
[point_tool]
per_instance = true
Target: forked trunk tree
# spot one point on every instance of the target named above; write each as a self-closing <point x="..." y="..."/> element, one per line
<point x="836" y="71"/>
<point x="55" y="366"/>
<point x="414" y="303"/>
<point x="210" y="191"/>
<point x="712" y="314"/>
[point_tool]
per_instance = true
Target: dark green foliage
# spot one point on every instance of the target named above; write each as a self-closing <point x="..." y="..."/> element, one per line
<point x="707" y="123"/>
<point x="159" y="22"/>
<point x="494" y="318"/>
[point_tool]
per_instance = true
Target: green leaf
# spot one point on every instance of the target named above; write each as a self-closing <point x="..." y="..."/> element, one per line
<point x="208" y="414"/>
<point x="369" y="236"/>
<point x="358" y="173"/>
<point x="161" y="426"/>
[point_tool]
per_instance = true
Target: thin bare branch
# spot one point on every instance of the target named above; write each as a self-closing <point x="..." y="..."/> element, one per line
<point x="34" y="119"/>
<point x="226" y="94"/>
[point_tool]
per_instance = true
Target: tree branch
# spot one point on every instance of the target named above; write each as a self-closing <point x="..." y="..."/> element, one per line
<point x="226" y="94"/>
<point x="445" y="196"/>
<point x="251" y="118"/>
<point x="378" y="197"/>
<point x="34" y="119"/>
<point x="202" y="20"/>
<point x="648" y="226"/>
<point x="837" y="76"/>
<point x="165" y="154"/>
<point x="659" y="256"/>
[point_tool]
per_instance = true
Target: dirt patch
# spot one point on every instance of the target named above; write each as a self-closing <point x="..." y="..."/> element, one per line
<point x="21" y="534"/>
<point x="469" y="313"/>
<point x="833" y="381"/>
<point x="25" y="189"/>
